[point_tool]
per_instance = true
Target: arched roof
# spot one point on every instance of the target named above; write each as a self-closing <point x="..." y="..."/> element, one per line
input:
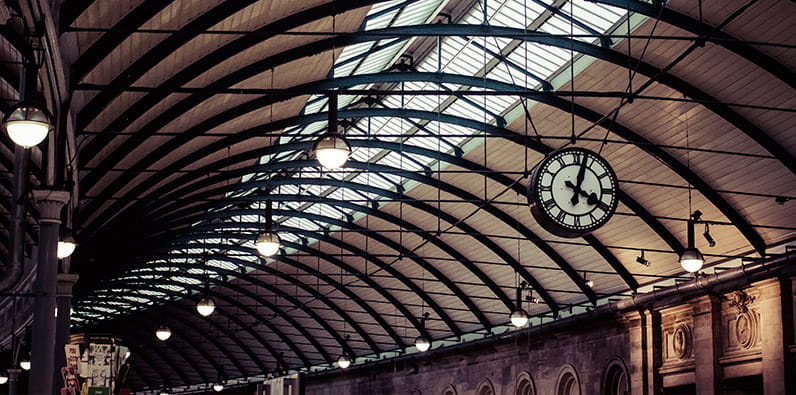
<point x="192" y="116"/>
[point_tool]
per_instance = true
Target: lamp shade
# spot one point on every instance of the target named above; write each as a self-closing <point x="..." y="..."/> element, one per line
<point x="218" y="387"/>
<point x="344" y="361"/>
<point x="268" y="243"/>
<point x="24" y="364"/>
<point x="163" y="333"/>
<point x="205" y="307"/>
<point x="691" y="260"/>
<point x="66" y="244"/>
<point x="27" y="124"/>
<point x="422" y="343"/>
<point x="332" y="151"/>
<point x="3" y="378"/>
<point x="518" y="318"/>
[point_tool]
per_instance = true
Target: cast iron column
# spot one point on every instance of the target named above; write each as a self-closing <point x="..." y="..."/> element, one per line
<point x="42" y="370"/>
<point x="63" y="300"/>
<point x="13" y="380"/>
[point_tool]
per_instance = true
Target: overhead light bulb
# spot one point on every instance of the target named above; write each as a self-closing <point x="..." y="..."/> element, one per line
<point x="218" y="387"/>
<point x="691" y="260"/>
<point x="27" y="124"/>
<point x="24" y="364"/>
<point x="206" y="306"/>
<point x="268" y="243"/>
<point x="163" y="333"/>
<point x="344" y="361"/>
<point x="590" y="283"/>
<point x="3" y="378"/>
<point x="518" y="318"/>
<point x="127" y="356"/>
<point x="422" y="343"/>
<point x="65" y="248"/>
<point x="332" y="151"/>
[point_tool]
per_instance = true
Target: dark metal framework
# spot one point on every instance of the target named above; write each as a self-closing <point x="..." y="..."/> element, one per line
<point x="194" y="206"/>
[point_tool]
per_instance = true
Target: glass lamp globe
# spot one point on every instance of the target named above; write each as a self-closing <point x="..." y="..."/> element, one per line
<point x="65" y="248"/>
<point x="332" y="151"/>
<point x="24" y="364"/>
<point x="218" y="387"/>
<point x="27" y="125"/>
<point x="3" y="378"/>
<point x="163" y="333"/>
<point x="344" y="361"/>
<point x="268" y="243"/>
<point x="422" y="343"/>
<point x="691" y="260"/>
<point x="518" y="318"/>
<point x="205" y="307"/>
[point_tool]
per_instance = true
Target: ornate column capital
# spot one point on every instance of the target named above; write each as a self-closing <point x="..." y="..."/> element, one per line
<point x="65" y="283"/>
<point x="49" y="203"/>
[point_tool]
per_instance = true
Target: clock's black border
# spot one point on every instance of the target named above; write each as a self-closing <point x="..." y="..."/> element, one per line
<point x="550" y="224"/>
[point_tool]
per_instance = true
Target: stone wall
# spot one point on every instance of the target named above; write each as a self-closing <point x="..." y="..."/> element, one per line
<point x="739" y="341"/>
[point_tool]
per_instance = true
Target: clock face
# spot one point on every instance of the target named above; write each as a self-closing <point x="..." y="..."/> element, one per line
<point x="572" y="192"/>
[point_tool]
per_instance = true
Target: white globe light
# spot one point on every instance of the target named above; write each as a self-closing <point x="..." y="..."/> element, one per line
<point x="344" y="361"/>
<point x="691" y="260"/>
<point x="267" y="243"/>
<point x="163" y="333"/>
<point x="590" y="283"/>
<point x="65" y="248"/>
<point x="518" y="318"/>
<point x="218" y="387"/>
<point x="24" y="364"/>
<point x="28" y="125"/>
<point x="332" y="151"/>
<point x="3" y="378"/>
<point x="422" y="343"/>
<point x="205" y="307"/>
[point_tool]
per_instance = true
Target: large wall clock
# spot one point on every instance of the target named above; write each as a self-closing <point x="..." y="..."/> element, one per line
<point x="573" y="191"/>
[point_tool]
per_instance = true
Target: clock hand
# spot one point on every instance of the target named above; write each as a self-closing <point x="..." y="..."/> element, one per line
<point x="576" y="190"/>
<point x="592" y="199"/>
<point x="579" y="180"/>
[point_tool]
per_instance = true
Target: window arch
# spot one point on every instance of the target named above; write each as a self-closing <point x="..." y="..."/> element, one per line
<point x="449" y="390"/>
<point x="485" y="388"/>
<point x="616" y="380"/>
<point x="568" y="383"/>
<point x="524" y="385"/>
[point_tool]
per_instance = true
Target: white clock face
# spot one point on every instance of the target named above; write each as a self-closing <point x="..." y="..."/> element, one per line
<point x="574" y="192"/>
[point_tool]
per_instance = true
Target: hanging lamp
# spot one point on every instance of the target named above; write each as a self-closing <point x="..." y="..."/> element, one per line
<point x="268" y="242"/>
<point x="423" y="342"/>
<point x="519" y="317"/>
<point x="163" y="333"/>
<point x="66" y="244"/>
<point x="691" y="259"/>
<point x="332" y="150"/>
<point x="28" y="124"/>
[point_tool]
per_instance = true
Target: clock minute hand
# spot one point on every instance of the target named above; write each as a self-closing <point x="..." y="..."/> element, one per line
<point x="579" y="181"/>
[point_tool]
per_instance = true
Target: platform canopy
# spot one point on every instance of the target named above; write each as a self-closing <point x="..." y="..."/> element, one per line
<point x="192" y="117"/>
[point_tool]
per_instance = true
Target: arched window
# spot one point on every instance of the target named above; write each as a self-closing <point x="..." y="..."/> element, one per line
<point x="615" y="379"/>
<point x="524" y="385"/>
<point x="485" y="388"/>
<point x="449" y="390"/>
<point x="568" y="383"/>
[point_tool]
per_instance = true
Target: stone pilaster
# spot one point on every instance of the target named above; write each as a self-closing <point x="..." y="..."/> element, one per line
<point x="773" y="345"/>
<point x="707" y="344"/>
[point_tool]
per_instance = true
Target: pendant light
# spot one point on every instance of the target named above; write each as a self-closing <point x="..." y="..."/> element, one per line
<point x="268" y="242"/>
<point x="206" y="306"/>
<point x="423" y="342"/>
<point x="691" y="259"/>
<point x="163" y="332"/>
<point x="66" y="244"/>
<point x="27" y="124"/>
<point x="218" y="387"/>
<point x="519" y="317"/>
<point x="25" y="363"/>
<point x="344" y="361"/>
<point x="332" y="150"/>
<point x="3" y="377"/>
